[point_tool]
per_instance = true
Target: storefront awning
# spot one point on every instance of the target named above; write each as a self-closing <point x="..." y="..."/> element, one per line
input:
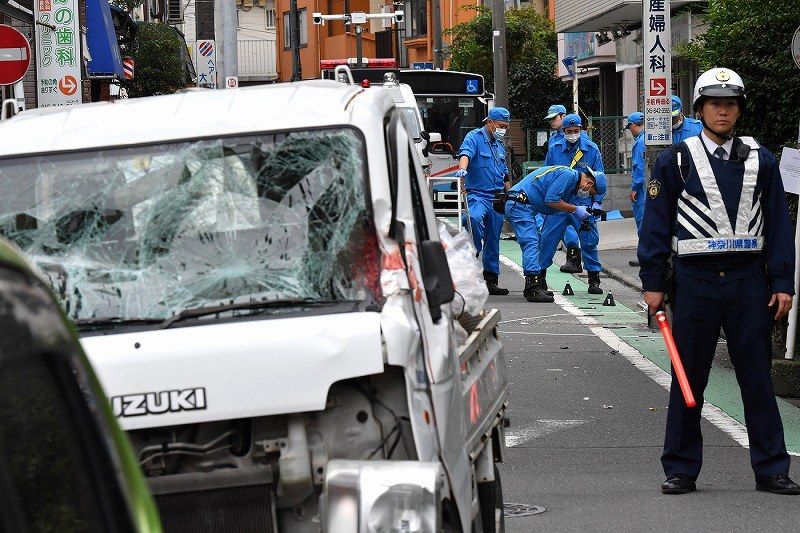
<point x="101" y="38"/>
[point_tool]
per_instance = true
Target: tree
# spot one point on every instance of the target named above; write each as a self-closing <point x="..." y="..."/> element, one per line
<point x="753" y="38"/>
<point x="531" y="44"/>
<point x="157" y="51"/>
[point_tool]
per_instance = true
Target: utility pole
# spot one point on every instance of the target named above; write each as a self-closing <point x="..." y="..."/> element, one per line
<point x="499" y="53"/>
<point x="226" y="23"/>
<point x="438" y="52"/>
<point x="294" y="22"/>
<point x="575" y="85"/>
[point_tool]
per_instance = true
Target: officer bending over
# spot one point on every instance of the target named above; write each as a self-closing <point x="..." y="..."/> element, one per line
<point x="547" y="190"/>
<point x="482" y="165"/>
<point x="716" y="205"/>
<point x="574" y="150"/>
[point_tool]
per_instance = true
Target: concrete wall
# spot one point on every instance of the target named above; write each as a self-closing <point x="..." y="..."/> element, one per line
<point x="618" y="195"/>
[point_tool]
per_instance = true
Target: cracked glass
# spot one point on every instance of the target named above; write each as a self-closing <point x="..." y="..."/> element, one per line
<point x="146" y="232"/>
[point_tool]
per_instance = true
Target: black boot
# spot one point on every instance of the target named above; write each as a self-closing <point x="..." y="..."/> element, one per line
<point x="533" y="291"/>
<point x="543" y="282"/>
<point x="573" y="263"/>
<point x="594" y="283"/>
<point x="491" y="283"/>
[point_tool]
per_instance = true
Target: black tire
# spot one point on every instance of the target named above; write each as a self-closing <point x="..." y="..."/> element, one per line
<point x="490" y="497"/>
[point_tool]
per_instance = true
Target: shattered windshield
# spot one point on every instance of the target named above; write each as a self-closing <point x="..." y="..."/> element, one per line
<point x="146" y="232"/>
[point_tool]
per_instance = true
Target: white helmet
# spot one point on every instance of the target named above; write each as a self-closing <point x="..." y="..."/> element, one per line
<point x="721" y="82"/>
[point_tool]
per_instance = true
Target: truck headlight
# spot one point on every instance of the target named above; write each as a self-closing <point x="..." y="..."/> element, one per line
<point x="378" y="496"/>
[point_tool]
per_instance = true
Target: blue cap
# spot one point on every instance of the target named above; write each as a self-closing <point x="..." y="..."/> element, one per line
<point x="499" y="113"/>
<point x="600" y="181"/>
<point x="636" y="117"/>
<point x="572" y="120"/>
<point x="677" y="105"/>
<point x="555" y="110"/>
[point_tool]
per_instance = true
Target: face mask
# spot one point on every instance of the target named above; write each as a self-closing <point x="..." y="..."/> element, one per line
<point x="583" y="194"/>
<point x="572" y="137"/>
<point x="500" y="133"/>
<point x="678" y="125"/>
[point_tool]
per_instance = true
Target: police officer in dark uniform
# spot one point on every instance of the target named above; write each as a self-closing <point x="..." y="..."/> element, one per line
<point x="716" y="205"/>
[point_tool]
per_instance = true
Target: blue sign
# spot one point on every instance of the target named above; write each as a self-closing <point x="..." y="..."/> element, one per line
<point x="569" y="63"/>
<point x="422" y="66"/>
<point x="473" y="86"/>
<point x="102" y="41"/>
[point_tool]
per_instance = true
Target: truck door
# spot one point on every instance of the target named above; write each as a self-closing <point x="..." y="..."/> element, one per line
<point x="415" y="214"/>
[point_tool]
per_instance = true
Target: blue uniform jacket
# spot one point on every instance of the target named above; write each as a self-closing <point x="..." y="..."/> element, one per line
<point x="689" y="128"/>
<point x="487" y="161"/>
<point x="547" y="185"/>
<point x="555" y="137"/>
<point x="637" y="164"/>
<point x="663" y="190"/>
<point x="562" y="153"/>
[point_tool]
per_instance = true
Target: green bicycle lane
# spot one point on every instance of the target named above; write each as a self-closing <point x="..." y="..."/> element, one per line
<point x="627" y="324"/>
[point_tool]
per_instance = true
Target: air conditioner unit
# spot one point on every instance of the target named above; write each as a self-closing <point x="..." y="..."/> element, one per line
<point x="175" y="11"/>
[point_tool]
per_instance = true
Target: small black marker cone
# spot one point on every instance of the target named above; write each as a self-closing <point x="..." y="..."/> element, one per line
<point x="568" y="290"/>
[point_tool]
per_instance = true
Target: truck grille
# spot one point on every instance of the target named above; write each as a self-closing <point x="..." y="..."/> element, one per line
<point x="227" y="510"/>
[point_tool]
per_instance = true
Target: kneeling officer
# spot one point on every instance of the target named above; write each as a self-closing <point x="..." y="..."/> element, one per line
<point x="546" y="191"/>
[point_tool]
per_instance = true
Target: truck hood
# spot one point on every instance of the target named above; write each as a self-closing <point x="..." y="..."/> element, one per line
<point x="235" y="370"/>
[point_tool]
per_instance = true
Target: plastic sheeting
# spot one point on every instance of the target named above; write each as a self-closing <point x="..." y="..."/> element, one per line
<point x="466" y="270"/>
<point x="145" y="232"/>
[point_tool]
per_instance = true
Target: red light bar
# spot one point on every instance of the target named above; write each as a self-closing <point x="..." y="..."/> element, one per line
<point x="327" y="64"/>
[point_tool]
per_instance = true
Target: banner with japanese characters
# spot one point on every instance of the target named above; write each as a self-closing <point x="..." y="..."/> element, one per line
<point x="58" y="53"/>
<point x="657" y="46"/>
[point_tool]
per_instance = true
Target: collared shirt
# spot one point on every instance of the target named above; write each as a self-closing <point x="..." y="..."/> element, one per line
<point x="712" y="146"/>
<point x="487" y="161"/>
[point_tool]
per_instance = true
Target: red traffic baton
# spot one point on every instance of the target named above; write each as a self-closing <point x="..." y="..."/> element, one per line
<point x="675" y="358"/>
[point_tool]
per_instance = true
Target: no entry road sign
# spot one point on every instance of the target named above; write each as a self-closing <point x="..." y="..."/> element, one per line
<point x="15" y="55"/>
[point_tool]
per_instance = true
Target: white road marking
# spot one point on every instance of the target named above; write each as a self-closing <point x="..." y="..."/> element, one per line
<point x="540" y="428"/>
<point x="735" y="429"/>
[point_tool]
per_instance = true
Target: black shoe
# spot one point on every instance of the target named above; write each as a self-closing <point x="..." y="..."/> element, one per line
<point x="573" y="263"/>
<point x="678" y="484"/>
<point x="594" y="283"/>
<point x="633" y="263"/>
<point x="777" y="484"/>
<point x="533" y="291"/>
<point x="491" y="283"/>
<point x="543" y="282"/>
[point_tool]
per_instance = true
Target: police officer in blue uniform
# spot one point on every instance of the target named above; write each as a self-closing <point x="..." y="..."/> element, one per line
<point x="575" y="150"/>
<point x="716" y="205"/>
<point x="547" y="190"/>
<point x="683" y="127"/>
<point x="555" y="116"/>
<point x="482" y="165"/>
<point x="637" y="196"/>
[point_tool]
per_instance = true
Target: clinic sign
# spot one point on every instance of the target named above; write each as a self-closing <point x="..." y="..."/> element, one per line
<point x="58" y="53"/>
<point x="657" y="63"/>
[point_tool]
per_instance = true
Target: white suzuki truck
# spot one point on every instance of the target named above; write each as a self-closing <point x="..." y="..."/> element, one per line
<point x="257" y="278"/>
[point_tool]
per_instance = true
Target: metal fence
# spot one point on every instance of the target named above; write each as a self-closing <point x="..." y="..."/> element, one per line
<point x="257" y="58"/>
<point x="615" y="142"/>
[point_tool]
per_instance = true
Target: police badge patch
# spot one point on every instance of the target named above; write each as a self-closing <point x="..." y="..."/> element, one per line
<point x="653" y="188"/>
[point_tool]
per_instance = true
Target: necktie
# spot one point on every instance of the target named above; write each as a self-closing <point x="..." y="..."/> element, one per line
<point x="720" y="152"/>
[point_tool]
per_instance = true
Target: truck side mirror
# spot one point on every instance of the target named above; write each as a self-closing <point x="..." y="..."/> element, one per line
<point x="436" y="278"/>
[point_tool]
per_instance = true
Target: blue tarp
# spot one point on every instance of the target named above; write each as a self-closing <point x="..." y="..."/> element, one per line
<point x="102" y="40"/>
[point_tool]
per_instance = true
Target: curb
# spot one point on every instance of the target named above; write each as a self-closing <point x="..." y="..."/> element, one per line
<point x="622" y="277"/>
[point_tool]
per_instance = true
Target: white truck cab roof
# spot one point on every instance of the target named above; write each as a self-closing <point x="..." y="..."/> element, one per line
<point x="191" y="114"/>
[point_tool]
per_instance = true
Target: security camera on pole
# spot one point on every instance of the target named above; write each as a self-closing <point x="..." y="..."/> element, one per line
<point x="657" y="78"/>
<point x="358" y="19"/>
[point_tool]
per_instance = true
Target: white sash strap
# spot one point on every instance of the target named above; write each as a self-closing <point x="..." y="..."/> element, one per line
<point x="715" y="203"/>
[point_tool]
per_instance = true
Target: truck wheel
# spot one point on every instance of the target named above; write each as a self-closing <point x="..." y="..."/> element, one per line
<point x="490" y="497"/>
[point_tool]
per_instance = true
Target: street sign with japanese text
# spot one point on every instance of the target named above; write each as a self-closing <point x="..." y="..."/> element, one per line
<point x="58" y="53"/>
<point x="15" y="55"/>
<point x="206" y="62"/>
<point x="657" y="73"/>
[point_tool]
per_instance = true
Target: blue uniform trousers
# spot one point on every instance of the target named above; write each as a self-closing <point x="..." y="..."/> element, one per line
<point x="523" y="218"/>
<point x="638" y="208"/>
<point x="486" y="227"/>
<point x="554" y="228"/>
<point x="738" y="307"/>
